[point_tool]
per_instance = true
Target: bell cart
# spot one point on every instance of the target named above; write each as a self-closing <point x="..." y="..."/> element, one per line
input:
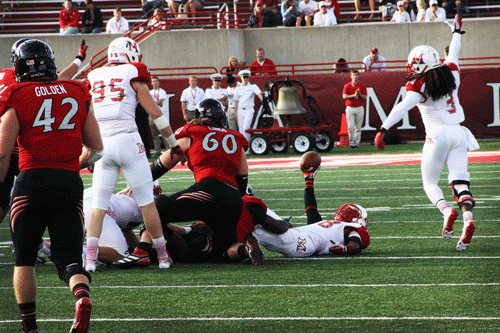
<point x="271" y="133"/>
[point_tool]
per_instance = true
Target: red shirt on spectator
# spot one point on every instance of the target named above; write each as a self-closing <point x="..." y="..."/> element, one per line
<point x="350" y="89"/>
<point x="69" y="19"/>
<point x="267" y="67"/>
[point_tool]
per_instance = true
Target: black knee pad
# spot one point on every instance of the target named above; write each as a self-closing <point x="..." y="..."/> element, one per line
<point x="65" y="273"/>
<point x="464" y="196"/>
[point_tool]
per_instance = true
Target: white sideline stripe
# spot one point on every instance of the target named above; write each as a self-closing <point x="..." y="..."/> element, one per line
<point x="259" y="318"/>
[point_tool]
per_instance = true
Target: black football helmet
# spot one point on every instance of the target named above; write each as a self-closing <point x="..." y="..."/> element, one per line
<point x="213" y="109"/>
<point x="34" y="61"/>
<point x="15" y="46"/>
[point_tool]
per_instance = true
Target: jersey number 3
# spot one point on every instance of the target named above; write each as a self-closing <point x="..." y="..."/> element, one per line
<point x="44" y="115"/>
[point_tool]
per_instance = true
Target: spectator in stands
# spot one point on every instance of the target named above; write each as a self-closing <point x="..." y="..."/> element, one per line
<point x="358" y="3"/>
<point x="435" y="13"/>
<point x="453" y="7"/>
<point x="232" y="65"/>
<point x="193" y="6"/>
<point x="157" y="20"/>
<point x="409" y="9"/>
<point x="262" y="66"/>
<point x="173" y="7"/>
<point x="385" y="7"/>
<point x="160" y="97"/>
<point x="421" y="6"/>
<point x="261" y="17"/>
<point x="4" y="8"/>
<point x="333" y="7"/>
<point x="275" y="7"/>
<point x="117" y="24"/>
<point x="149" y="6"/>
<point x="401" y="15"/>
<point x="215" y="91"/>
<point x="354" y="94"/>
<point x="376" y="67"/>
<point x="69" y="18"/>
<point x="290" y="13"/>
<point x="232" y="84"/>
<point x="92" y="19"/>
<point x="341" y="66"/>
<point x="244" y="97"/>
<point x="190" y="98"/>
<point x="307" y="9"/>
<point x="324" y="17"/>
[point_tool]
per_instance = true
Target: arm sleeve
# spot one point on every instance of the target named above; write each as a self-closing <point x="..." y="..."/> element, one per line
<point x="411" y="99"/>
<point x="455" y="45"/>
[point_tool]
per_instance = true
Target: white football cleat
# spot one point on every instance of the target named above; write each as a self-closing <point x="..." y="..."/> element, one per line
<point x="449" y="219"/>
<point x="165" y="263"/>
<point x="467" y="232"/>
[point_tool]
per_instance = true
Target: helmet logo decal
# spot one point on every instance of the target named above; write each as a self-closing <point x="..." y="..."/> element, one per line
<point x="419" y="59"/>
<point x="131" y="46"/>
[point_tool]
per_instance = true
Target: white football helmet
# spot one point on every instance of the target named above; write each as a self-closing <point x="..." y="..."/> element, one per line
<point x="124" y="50"/>
<point x="351" y="213"/>
<point x="422" y="58"/>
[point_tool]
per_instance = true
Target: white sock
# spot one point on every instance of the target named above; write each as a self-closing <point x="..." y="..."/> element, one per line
<point x="161" y="250"/>
<point x="443" y="206"/>
<point x="467" y="216"/>
<point x="92" y="248"/>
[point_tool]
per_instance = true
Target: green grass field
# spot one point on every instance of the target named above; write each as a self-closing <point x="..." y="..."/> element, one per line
<point x="407" y="280"/>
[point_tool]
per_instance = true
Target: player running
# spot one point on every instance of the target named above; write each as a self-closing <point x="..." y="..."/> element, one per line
<point x="433" y="87"/>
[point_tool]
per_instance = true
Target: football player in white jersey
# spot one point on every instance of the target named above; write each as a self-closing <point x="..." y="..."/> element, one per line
<point x="116" y="90"/>
<point x="433" y="87"/>
<point x="344" y="234"/>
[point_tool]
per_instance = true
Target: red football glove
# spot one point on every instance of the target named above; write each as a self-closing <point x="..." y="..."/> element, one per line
<point x="379" y="140"/>
<point x="197" y="224"/>
<point x="83" y="51"/>
<point x="457" y="24"/>
<point x="177" y="150"/>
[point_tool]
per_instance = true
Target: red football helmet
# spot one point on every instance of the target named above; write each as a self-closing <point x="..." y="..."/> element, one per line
<point x="351" y="213"/>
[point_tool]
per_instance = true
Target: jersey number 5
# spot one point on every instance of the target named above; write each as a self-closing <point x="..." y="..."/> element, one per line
<point x="44" y="115"/>
<point x="98" y="88"/>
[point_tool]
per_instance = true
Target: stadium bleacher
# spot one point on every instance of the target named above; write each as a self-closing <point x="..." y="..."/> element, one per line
<point x="41" y="16"/>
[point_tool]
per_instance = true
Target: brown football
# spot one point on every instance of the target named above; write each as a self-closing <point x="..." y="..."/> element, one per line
<point x="310" y="161"/>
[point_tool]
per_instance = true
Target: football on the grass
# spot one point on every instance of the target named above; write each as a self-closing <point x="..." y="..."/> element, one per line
<point x="310" y="161"/>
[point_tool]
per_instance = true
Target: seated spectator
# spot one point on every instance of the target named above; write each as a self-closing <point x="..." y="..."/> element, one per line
<point x="275" y="7"/>
<point x="242" y="65"/>
<point x="307" y="9"/>
<point x="421" y="6"/>
<point x="193" y="6"/>
<point x="409" y="9"/>
<point x="261" y="17"/>
<point x="333" y="7"/>
<point x="435" y="13"/>
<point x="323" y="17"/>
<point x="232" y="64"/>
<point x="157" y="20"/>
<point x="341" y="66"/>
<point x="290" y="13"/>
<point x="149" y="6"/>
<point x="262" y="66"/>
<point x="69" y="18"/>
<point x="92" y="19"/>
<point x="376" y="67"/>
<point x="358" y="3"/>
<point x="401" y="15"/>
<point x="117" y="24"/>
<point x="173" y="7"/>
<point x="453" y="7"/>
<point x="386" y="8"/>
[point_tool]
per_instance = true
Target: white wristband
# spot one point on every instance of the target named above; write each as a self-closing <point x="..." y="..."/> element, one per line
<point x="77" y="62"/>
<point x="171" y="141"/>
<point x="161" y="122"/>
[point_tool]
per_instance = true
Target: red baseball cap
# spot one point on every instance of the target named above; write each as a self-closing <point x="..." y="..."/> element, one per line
<point x="374" y="50"/>
<point x="259" y="2"/>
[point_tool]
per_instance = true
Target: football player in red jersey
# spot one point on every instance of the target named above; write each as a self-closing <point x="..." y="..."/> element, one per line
<point x="50" y="131"/>
<point x="8" y="77"/>
<point x="216" y="155"/>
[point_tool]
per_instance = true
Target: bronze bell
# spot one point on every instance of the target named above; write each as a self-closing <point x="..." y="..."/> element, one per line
<point x="288" y="101"/>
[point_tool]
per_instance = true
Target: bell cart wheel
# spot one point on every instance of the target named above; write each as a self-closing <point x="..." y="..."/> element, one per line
<point x="280" y="147"/>
<point x="260" y="144"/>
<point x="324" y="141"/>
<point x="302" y="142"/>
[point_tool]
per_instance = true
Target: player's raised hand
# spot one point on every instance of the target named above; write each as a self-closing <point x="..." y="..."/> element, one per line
<point x="457" y="24"/>
<point x="83" y="51"/>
